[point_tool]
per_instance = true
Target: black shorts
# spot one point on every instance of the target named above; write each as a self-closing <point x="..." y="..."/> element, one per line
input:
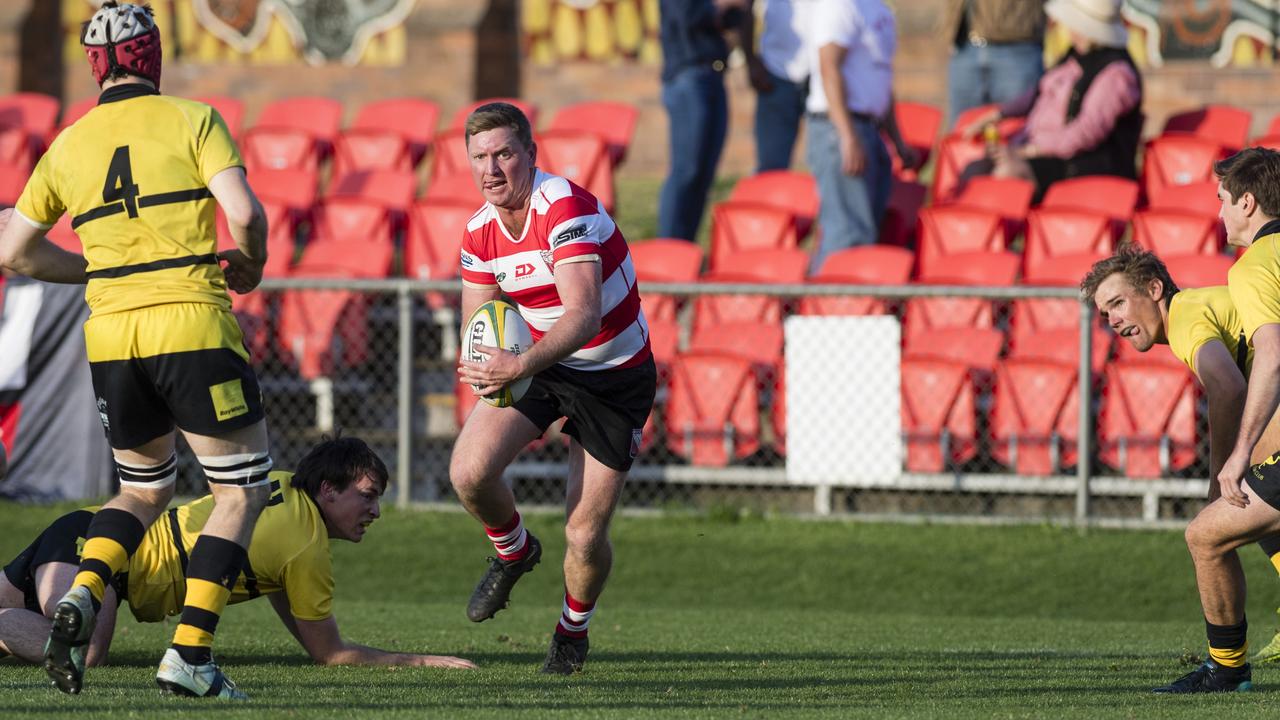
<point x="60" y="542"/>
<point x="1265" y="480"/>
<point x="606" y="410"/>
<point x="182" y="364"/>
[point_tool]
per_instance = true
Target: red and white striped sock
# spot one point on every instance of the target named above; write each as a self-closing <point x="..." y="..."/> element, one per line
<point x="575" y="617"/>
<point x="510" y="540"/>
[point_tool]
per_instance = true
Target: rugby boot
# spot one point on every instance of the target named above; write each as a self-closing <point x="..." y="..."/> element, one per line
<point x="494" y="590"/>
<point x="566" y="655"/>
<point x="179" y="677"/>
<point x="73" y="621"/>
<point x="1211" y="677"/>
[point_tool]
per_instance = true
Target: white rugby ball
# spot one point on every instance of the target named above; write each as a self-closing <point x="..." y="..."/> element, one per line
<point x="498" y="324"/>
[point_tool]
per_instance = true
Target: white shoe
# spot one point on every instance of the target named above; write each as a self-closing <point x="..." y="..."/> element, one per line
<point x="69" y="635"/>
<point x="179" y="677"/>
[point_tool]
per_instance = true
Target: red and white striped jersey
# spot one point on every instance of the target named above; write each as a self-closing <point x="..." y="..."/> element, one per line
<point x="565" y="224"/>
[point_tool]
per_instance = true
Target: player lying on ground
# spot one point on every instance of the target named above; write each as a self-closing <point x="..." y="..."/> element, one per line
<point x="1138" y="299"/>
<point x="333" y="495"/>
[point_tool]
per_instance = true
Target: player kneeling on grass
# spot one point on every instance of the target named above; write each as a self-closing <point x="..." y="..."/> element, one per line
<point x="333" y="495"/>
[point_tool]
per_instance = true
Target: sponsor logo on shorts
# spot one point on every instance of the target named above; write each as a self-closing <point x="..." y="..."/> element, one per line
<point x="636" y="436"/>
<point x="576" y="232"/>
<point x="228" y="400"/>
<point x="102" y="413"/>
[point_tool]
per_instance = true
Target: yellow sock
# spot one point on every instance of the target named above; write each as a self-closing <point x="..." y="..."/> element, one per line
<point x="101" y="560"/>
<point x="204" y="605"/>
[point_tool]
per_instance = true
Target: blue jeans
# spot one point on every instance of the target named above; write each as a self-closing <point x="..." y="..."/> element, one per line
<point x="778" y="114"/>
<point x="991" y="74"/>
<point x="698" y="113"/>
<point x="851" y="206"/>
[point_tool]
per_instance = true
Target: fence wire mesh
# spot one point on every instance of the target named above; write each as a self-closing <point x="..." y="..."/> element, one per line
<point x="931" y="401"/>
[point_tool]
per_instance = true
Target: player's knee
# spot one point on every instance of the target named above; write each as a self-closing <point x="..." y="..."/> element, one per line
<point x="149" y="483"/>
<point x="467" y="474"/>
<point x="156" y="498"/>
<point x="1201" y="539"/>
<point x="586" y="540"/>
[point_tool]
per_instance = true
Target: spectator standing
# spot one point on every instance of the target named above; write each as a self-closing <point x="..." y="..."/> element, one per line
<point x="694" y="56"/>
<point x="998" y="51"/>
<point x="780" y="76"/>
<point x="850" y="96"/>
<point x="1085" y="115"/>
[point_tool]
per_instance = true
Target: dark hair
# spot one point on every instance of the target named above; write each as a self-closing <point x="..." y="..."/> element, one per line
<point x="492" y="116"/>
<point x="339" y="461"/>
<point x="117" y="72"/>
<point x="1138" y="266"/>
<point x="1254" y="170"/>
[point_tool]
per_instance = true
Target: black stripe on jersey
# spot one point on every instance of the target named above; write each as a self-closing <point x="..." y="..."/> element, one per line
<point x="166" y="264"/>
<point x="250" y="580"/>
<point x="177" y="539"/>
<point x="98" y="212"/>
<point x="166" y="198"/>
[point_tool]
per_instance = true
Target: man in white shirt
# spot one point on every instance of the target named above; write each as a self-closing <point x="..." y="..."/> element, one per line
<point x="780" y="74"/>
<point x="850" y="95"/>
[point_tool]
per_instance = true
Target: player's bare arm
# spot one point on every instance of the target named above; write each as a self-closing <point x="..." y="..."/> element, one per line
<point x="1259" y="407"/>
<point x="578" y="284"/>
<point x="323" y="642"/>
<point x="24" y="250"/>
<point x="247" y="222"/>
<point x="1225" y="392"/>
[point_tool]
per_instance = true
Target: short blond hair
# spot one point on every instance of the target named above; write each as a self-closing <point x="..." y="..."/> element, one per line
<point x="492" y="116"/>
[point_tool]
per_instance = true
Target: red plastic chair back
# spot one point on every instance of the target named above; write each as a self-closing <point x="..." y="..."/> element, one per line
<point x="1178" y="160"/>
<point x="939" y="422"/>
<point x="1115" y="197"/>
<point x="1225" y="125"/>
<point x="741" y="226"/>
<point x="954" y="155"/>
<point x="458" y="187"/>
<point x="712" y="413"/>
<point x="270" y="148"/>
<point x="951" y="230"/>
<point x="392" y="189"/>
<point x="794" y="192"/>
<point x="413" y="119"/>
<point x="1010" y="198"/>
<point x="371" y="149"/>
<point x="293" y="187"/>
<point x="977" y="348"/>
<point x="433" y="240"/>
<point x="320" y="117"/>
<point x="1197" y="271"/>
<point x="231" y="110"/>
<point x="919" y="125"/>
<point x="1197" y="197"/>
<point x="864" y="265"/>
<point x="1169" y="233"/>
<point x="36" y="113"/>
<point x="451" y="156"/>
<point x="311" y="321"/>
<point x="1054" y="235"/>
<point x="13" y="180"/>
<point x="581" y="158"/>
<point x="1034" y="416"/>
<point x="614" y="122"/>
<point x="1147" y="426"/>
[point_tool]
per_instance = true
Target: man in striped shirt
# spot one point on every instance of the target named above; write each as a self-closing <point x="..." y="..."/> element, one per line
<point x="552" y="249"/>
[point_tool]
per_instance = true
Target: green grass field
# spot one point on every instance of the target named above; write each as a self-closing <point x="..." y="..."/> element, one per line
<point x="709" y="617"/>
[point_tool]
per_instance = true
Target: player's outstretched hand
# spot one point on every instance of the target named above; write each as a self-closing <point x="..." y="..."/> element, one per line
<point x="243" y="274"/>
<point x="1232" y="475"/>
<point x="502" y="367"/>
<point x="445" y="661"/>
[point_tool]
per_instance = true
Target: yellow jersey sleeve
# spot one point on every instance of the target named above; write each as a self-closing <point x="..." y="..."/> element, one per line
<point x="40" y="202"/>
<point x="1254" y="282"/>
<point x="308" y="581"/>
<point x="216" y="151"/>
<point x="1200" y="316"/>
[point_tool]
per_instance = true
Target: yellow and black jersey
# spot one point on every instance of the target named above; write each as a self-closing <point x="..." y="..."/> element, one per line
<point x="1203" y="314"/>
<point x="133" y="174"/>
<point x="1254" y="281"/>
<point x="289" y="551"/>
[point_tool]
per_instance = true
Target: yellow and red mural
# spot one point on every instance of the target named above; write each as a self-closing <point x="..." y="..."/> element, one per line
<point x="606" y="31"/>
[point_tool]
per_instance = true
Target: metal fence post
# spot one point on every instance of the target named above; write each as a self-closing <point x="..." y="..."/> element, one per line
<point x="404" y="395"/>
<point x="1084" y="443"/>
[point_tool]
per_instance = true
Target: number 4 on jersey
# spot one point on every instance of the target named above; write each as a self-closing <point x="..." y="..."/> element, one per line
<point x="119" y="186"/>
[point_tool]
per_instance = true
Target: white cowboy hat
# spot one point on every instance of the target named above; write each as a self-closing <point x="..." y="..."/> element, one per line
<point x="1098" y="20"/>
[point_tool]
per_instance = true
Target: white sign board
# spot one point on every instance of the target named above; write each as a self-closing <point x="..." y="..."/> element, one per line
<point x="843" y="419"/>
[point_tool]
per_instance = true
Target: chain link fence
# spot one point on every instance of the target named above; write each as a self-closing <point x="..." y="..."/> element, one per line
<point x="934" y="402"/>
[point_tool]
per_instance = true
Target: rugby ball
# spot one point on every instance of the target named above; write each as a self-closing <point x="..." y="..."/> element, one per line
<point x="498" y="324"/>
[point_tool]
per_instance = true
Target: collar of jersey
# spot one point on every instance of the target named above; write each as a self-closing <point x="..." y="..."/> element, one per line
<point x="125" y="92"/>
<point x="1272" y="227"/>
<point x="538" y="178"/>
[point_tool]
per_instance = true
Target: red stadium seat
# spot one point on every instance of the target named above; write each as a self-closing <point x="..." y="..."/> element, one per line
<point x="459" y="187"/>
<point x="529" y="109"/>
<point x="1267" y="141"/>
<point x="1178" y="160"/>
<point x="664" y="260"/>
<point x="741" y="226"/>
<point x="19" y="148"/>
<point x="280" y="239"/>
<point x="70" y="114"/>
<point x="795" y="192"/>
<point x="392" y="189"/>
<point x="1194" y="271"/>
<point x="319" y="117"/>
<point x="295" y="188"/>
<point x="450" y="155"/>
<point x="902" y="214"/>
<point x="1115" y="197"/>
<point x="371" y="149"/>
<point x="353" y="234"/>
<point x="664" y="341"/>
<point x="1168" y="233"/>
<point x="1010" y="198"/>
<point x="1200" y="198"/>
<point x="433" y="242"/>
<point x="581" y="158"/>
<point x="13" y="179"/>
<point x="939" y="422"/>
<point x="270" y="148"/>
<point x="311" y="320"/>
<point x="1056" y="236"/>
<point x="36" y="113"/>
<point x="231" y="110"/>
<point x="977" y="348"/>
<point x="952" y="230"/>
<point x="929" y="322"/>
<point x="761" y="344"/>
<point x="712" y="414"/>
<point x="63" y="236"/>
<point x="756" y="266"/>
<point x="1049" y="328"/>
<point x="919" y="124"/>
<point x="413" y="118"/>
<point x="1061" y="345"/>
<point x="1035" y="416"/>
<point x="954" y="155"/>
<point x="614" y="122"/>
<point x="1147" y="425"/>
<point x="864" y="265"/>
<point x="1223" y="124"/>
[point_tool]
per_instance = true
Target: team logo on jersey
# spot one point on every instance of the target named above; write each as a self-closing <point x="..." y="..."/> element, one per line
<point x="524" y="270"/>
<point x="549" y="258"/>
<point x="501" y="276"/>
<point x="574" y="233"/>
<point x="102" y="413"/>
